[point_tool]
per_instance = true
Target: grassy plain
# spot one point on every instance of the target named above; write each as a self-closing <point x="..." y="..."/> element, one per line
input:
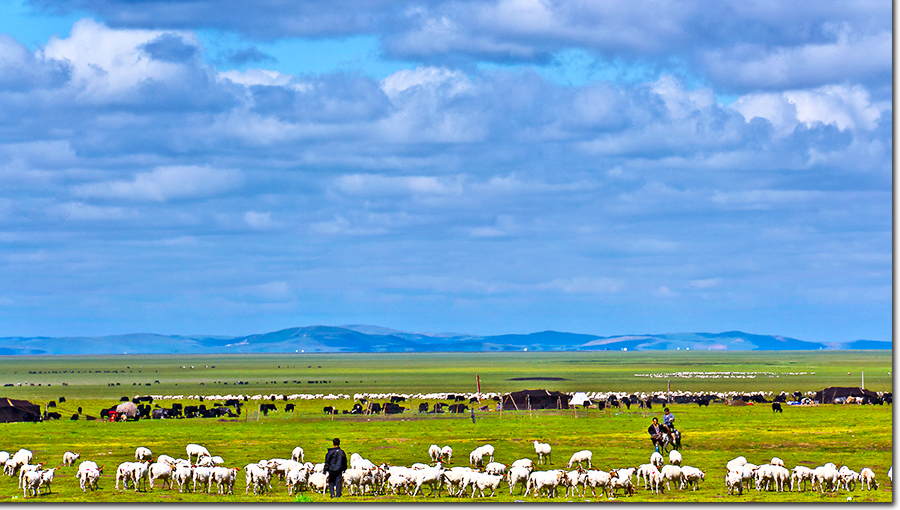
<point x="857" y="436"/>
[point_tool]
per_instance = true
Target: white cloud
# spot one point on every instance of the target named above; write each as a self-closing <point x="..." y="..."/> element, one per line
<point x="375" y="184"/>
<point x="258" y="220"/>
<point x="166" y="183"/>
<point x="454" y="82"/>
<point x="87" y="212"/>
<point x="707" y="283"/>
<point x="584" y="285"/>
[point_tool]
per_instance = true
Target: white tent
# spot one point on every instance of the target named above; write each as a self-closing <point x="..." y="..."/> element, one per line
<point x="127" y="409"/>
<point x="580" y="399"/>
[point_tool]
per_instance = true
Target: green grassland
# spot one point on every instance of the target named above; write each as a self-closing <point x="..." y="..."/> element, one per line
<point x="857" y="436"/>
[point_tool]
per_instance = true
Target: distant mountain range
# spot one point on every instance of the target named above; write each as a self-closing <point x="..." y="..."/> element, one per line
<point x="357" y="338"/>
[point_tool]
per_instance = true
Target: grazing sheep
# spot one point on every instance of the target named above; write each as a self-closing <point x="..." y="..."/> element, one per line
<point x="848" y="478"/>
<point x="776" y="462"/>
<point x="358" y="462"/>
<point x="434" y="451"/>
<point x="596" y="478"/>
<point x="657" y="459"/>
<point x="826" y="477"/>
<point x="675" y="457"/>
<point x="485" y="480"/>
<point x="183" y="474"/>
<point x="31" y="482"/>
<point x="431" y="476"/>
<point x="655" y="480"/>
<point x="735" y="463"/>
<point x="692" y="476"/>
<point x="573" y="479"/>
<point x="295" y="479"/>
<point x="19" y="459"/>
<point x="297" y="454"/>
<point x="224" y="478"/>
<point x="88" y="478"/>
<point x="203" y="477"/>
<point x="801" y="474"/>
<point x="446" y="453"/>
<point x="25" y="468"/>
<point x="643" y="474"/>
<point x="141" y="454"/>
<point x="476" y="457"/>
<point x="70" y="458"/>
<point x="123" y="474"/>
<point x="318" y="482"/>
<point x="734" y="480"/>
<point x="195" y="450"/>
<point x="47" y="479"/>
<point x="542" y="449"/>
<point x="140" y="474"/>
<point x="524" y="463"/>
<point x="579" y="457"/>
<point x="868" y="479"/>
<point x="672" y="473"/>
<point x="161" y="471"/>
<point x="621" y="479"/>
<point x="515" y="475"/>
<point x="538" y="481"/>
<point x="495" y="468"/>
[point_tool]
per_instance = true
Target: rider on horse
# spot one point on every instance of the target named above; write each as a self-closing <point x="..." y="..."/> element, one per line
<point x="656" y="431"/>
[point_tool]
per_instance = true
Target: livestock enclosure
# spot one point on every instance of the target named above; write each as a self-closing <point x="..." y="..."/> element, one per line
<point x="855" y="435"/>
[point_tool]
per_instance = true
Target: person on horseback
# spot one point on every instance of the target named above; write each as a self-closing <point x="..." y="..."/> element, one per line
<point x="669" y="423"/>
<point x="656" y="431"/>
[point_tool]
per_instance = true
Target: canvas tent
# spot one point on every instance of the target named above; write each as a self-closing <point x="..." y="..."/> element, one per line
<point x="535" y="399"/>
<point x="827" y="395"/>
<point x="580" y="399"/>
<point x="12" y="410"/>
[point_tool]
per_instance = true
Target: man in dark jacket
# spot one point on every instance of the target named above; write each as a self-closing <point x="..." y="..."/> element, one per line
<point x="335" y="465"/>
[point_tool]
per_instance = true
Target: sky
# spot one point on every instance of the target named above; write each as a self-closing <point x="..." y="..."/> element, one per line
<point x="472" y="166"/>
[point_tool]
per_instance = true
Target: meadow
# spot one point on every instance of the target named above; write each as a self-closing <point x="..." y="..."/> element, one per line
<point x="857" y="436"/>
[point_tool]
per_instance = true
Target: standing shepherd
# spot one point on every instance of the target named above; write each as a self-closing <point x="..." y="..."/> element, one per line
<point x="335" y="465"/>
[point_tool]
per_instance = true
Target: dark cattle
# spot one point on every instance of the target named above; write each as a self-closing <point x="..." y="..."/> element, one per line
<point x="288" y="407"/>
<point x="888" y="398"/>
<point x="159" y="414"/>
<point x="776" y="407"/>
<point x="79" y="409"/>
<point x="376" y="408"/>
<point x="682" y="399"/>
<point x="74" y="417"/>
<point x="177" y="406"/>
<point x="601" y="405"/>
<point x="439" y="407"/>
<point x="759" y="399"/>
<point x="329" y="409"/>
<point x="648" y="403"/>
<point x="459" y="398"/>
<point x="357" y="409"/>
<point x="51" y="404"/>
<point x="124" y="399"/>
<point x="627" y="403"/>
<point x="702" y="402"/>
<point x="780" y="398"/>
<point x="797" y="395"/>
<point x="202" y="407"/>
<point x="397" y="398"/>
<point x="423" y="407"/>
<point x="451" y="397"/>
<point x="143" y="411"/>
<point x="62" y="400"/>
<point x="138" y="400"/>
<point x="52" y="416"/>
<point x="232" y="402"/>
<point x="458" y="408"/>
<point x="473" y="400"/>
<point x="191" y="411"/>
<point x="391" y="408"/>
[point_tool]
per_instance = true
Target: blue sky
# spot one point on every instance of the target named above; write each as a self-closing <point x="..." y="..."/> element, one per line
<point x="497" y="166"/>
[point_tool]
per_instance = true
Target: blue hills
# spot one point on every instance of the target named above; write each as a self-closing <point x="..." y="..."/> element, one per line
<point x="361" y="338"/>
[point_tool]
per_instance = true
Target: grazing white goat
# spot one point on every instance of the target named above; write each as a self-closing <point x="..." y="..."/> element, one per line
<point x="142" y="453"/>
<point x="70" y="458"/>
<point x="297" y="454"/>
<point x="675" y="457"/>
<point x="579" y="457"/>
<point x="542" y="449"/>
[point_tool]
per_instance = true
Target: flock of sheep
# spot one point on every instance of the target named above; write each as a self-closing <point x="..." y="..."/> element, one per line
<point x="201" y="471"/>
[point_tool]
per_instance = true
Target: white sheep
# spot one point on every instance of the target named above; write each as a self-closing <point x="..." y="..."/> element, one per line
<point x="431" y="477"/>
<point x="643" y="474"/>
<point x="70" y="458"/>
<point x="297" y="454"/>
<point x="446" y="453"/>
<point x="195" y="450"/>
<point x="542" y="449"/>
<point x="203" y="477"/>
<point x="692" y="476"/>
<point x="868" y="479"/>
<point x="776" y="462"/>
<point x="801" y="475"/>
<point x="736" y="463"/>
<point x="672" y="473"/>
<point x="183" y="474"/>
<point x="46" y="479"/>
<point x="476" y="457"/>
<point x="485" y="480"/>
<point x="295" y="479"/>
<point x="140" y="474"/>
<point x="495" y="468"/>
<point x="28" y="468"/>
<point x="142" y="453"/>
<point x="538" y="481"/>
<point x="621" y="479"/>
<point x="848" y="478"/>
<point x="657" y="459"/>
<point x="19" y="459"/>
<point x="826" y="477"/>
<point x="675" y="457"/>
<point x="455" y="479"/>
<point x="397" y="481"/>
<point x="123" y="474"/>
<point x="655" y="479"/>
<point x="434" y="451"/>
<point x="734" y="480"/>
<point x="579" y="457"/>
<point x="4" y="456"/>
<point x="524" y="463"/>
<point x="88" y="479"/>
<point x="318" y="482"/>
<point x="224" y="478"/>
<point x="597" y="478"/>
<point x="516" y="475"/>
<point x="31" y="482"/>
<point x="358" y="462"/>
<point x="572" y="480"/>
<point x="161" y="471"/>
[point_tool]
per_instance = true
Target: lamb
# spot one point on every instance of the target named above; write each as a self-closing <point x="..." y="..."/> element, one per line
<point x="734" y="480"/>
<point x="672" y="473"/>
<point x="446" y="453"/>
<point x="748" y="473"/>
<point x="358" y="462"/>
<point x="434" y="451"/>
<point x="643" y="473"/>
<point x="495" y="468"/>
<point x="88" y="478"/>
<point x="826" y="477"/>
<point x="25" y="468"/>
<point x="70" y="458"/>
<point x="318" y="481"/>
<point x="542" y="449"/>
<point x="515" y="475"/>
<point x="524" y="463"/>
<point x="195" y="450"/>
<point x="352" y="478"/>
<point x="675" y="457"/>
<point x="46" y="479"/>
<point x="735" y="463"/>
<point x="848" y="478"/>
<point x="692" y="476"/>
<point x="572" y="480"/>
<point x="764" y="475"/>
<point x="160" y="471"/>
<point x="776" y="462"/>
<point x="297" y="454"/>
<point x="203" y="477"/>
<point x="476" y="457"/>
<point x="397" y="481"/>
<point x="123" y="474"/>
<point x="621" y="479"/>
<point x="655" y="480"/>
<point x="868" y="479"/>
<point x="596" y="478"/>
<point x="142" y="453"/>
<point x="224" y="478"/>
<point x="801" y="474"/>
<point x="579" y="457"/>
<point x="657" y="459"/>
<point x="257" y="477"/>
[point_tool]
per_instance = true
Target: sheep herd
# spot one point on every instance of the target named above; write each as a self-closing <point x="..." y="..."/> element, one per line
<point x="201" y="471"/>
